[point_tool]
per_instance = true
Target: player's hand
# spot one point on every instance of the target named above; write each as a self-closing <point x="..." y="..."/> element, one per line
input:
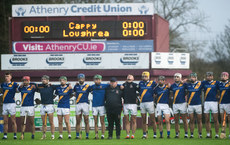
<point x="184" y="80"/>
<point x="70" y="86"/>
<point x="122" y="87"/>
<point x="38" y="101"/>
<point x="22" y="84"/>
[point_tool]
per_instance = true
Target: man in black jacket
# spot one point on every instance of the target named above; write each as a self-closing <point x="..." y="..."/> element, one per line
<point x="113" y="104"/>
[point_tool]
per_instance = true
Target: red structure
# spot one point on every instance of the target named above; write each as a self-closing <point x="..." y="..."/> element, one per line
<point x="157" y="27"/>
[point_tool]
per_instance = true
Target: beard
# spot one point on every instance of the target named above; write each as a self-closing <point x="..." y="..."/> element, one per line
<point x="62" y="85"/>
<point x="223" y="80"/>
<point x="81" y="82"/>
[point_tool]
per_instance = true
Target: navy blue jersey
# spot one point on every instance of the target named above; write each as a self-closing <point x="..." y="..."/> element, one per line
<point x="146" y="91"/>
<point x="47" y="93"/>
<point x="162" y="94"/>
<point x="210" y="90"/>
<point x="224" y="92"/>
<point x="82" y="93"/>
<point x="27" y="95"/>
<point x="64" y="94"/>
<point x="178" y="93"/>
<point x="98" y="94"/>
<point x="9" y="90"/>
<point x="194" y="90"/>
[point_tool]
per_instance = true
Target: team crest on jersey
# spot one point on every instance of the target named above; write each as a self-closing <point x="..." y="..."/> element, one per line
<point x="131" y="86"/>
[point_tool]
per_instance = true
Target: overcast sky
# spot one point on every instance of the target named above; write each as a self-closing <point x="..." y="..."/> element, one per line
<point x="218" y="12"/>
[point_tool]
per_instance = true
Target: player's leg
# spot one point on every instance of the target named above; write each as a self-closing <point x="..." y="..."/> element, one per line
<point x="85" y="110"/>
<point x="66" y="118"/>
<point x="133" y="119"/>
<point x="60" y="126"/>
<point x="207" y="124"/>
<point x="167" y="121"/>
<point x="51" y="121"/>
<point x="199" y="122"/>
<point x="176" y="119"/>
<point x="160" y="125"/>
<point x="216" y="124"/>
<point x="31" y="120"/>
<point x="102" y="120"/>
<point x="95" y="117"/>
<point x="14" y="125"/>
<point x="44" y="125"/>
<point x="144" y="125"/>
<point x="127" y="125"/>
<point x="126" y="118"/>
<point x="153" y="124"/>
<point x="78" y="127"/>
<point x="134" y="125"/>
<point x="5" y="119"/>
<point x="185" y="123"/>
<point x="22" y="126"/>
<point x="191" y="124"/>
<point x="198" y="111"/>
<point x="86" y="120"/>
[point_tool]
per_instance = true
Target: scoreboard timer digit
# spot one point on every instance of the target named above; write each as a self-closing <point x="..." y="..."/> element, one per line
<point x="79" y="29"/>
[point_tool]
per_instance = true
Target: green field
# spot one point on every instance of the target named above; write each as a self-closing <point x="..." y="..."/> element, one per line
<point x="114" y="141"/>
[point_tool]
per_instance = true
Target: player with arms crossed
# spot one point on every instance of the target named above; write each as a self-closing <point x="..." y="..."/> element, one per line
<point x="82" y="105"/>
<point x="179" y="104"/>
<point x="27" y="105"/>
<point x="9" y="88"/>
<point x="146" y="102"/>
<point x="64" y="92"/>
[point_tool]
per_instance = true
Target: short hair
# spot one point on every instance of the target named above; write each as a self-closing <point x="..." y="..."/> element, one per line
<point x="8" y="73"/>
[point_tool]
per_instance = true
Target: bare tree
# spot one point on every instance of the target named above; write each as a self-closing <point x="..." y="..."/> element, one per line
<point x="220" y="49"/>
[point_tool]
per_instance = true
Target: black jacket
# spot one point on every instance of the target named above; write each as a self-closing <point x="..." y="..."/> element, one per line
<point x="113" y="102"/>
<point x="130" y="93"/>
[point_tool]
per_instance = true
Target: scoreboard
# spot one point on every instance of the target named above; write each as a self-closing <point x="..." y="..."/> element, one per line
<point x="83" y="29"/>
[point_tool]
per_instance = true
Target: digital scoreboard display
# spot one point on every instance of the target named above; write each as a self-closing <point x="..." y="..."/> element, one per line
<point x="83" y="29"/>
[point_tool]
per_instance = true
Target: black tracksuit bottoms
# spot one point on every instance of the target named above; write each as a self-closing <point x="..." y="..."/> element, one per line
<point x="114" y="117"/>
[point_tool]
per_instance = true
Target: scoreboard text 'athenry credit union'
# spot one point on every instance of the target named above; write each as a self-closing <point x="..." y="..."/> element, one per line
<point x="75" y="9"/>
